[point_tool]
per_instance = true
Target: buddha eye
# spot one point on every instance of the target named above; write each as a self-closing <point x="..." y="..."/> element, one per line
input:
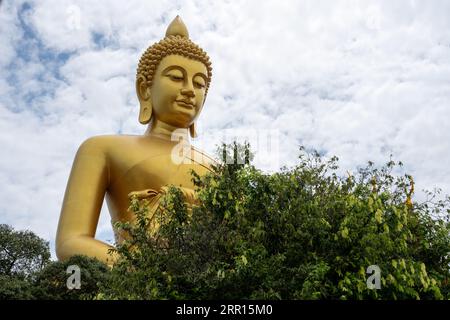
<point x="199" y="84"/>
<point x="175" y="77"/>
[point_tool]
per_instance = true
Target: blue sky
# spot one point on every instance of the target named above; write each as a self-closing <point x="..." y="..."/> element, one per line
<point x="357" y="79"/>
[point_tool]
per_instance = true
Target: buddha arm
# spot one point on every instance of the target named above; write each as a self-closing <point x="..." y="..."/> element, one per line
<point x="82" y="204"/>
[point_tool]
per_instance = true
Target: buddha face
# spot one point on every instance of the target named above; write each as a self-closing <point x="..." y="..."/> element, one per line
<point x="178" y="90"/>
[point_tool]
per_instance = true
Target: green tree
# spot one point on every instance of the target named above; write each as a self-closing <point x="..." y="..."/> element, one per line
<point x="15" y="288"/>
<point x="22" y="253"/>
<point x="51" y="282"/>
<point x="26" y="272"/>
<point x="302" y="233"/>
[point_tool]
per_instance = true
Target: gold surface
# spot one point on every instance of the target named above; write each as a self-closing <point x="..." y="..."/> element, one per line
<point x="171" y="97"/>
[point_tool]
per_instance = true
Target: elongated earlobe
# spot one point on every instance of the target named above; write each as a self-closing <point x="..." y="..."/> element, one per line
<point x="145" y="112"/>
<point x="192" y="131"/>
<point x="145" y="101"/>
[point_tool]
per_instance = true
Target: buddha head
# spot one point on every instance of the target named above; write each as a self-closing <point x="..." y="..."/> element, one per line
<point x="172" y="79"/>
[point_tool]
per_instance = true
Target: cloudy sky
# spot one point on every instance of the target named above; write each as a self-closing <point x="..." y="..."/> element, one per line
<point x="357" y="79"/>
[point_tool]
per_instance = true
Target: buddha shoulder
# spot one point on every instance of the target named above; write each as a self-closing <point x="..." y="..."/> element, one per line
<point x="103" y="144"/>
<point x="122" y="146"/>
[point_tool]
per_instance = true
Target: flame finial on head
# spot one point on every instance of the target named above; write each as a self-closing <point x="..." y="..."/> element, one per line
<point x="177" y="28"/>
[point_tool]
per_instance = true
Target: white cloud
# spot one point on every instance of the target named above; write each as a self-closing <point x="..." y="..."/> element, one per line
<point x="360" y="80"/>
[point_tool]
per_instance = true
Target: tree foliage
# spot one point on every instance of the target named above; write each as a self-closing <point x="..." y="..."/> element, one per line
<point x="21" y="252"/>
<point x="26" y="272"/>
<point x="302" y="233"/>
<point x="51" y="282"/>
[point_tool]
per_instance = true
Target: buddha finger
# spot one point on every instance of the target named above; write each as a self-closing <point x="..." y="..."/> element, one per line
<point x="143" y="194"/>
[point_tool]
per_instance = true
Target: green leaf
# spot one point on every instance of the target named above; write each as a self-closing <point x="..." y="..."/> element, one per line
<point x="379" y="216"/>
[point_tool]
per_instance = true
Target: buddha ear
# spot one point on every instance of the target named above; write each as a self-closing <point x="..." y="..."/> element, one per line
<point x="192" y="131"/>
<point x="145" y="101"/>
<point x="145" y="113"/>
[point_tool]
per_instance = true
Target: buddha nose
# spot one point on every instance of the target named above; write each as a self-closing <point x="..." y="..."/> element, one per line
<point x="188" y="92"/>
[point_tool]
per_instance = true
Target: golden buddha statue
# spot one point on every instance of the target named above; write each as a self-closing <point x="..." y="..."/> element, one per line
<point x="172" y="81"/>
